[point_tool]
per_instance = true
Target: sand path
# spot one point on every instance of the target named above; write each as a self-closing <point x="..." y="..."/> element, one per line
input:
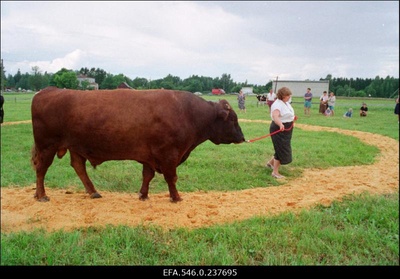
<point x="72" y="208"/>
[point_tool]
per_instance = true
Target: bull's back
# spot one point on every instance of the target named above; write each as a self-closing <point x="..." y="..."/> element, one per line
<point x="110" y="124"/>
<point x="103" y="109"/>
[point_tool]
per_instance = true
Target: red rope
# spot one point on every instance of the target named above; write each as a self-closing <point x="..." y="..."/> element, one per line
<point x="273" y="133"/>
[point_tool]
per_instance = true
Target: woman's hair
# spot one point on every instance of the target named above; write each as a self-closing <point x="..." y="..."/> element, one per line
<point x="282" y="92"/>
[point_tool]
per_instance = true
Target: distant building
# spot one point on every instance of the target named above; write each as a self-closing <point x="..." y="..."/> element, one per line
<point x="299" y="88"/>
<point x="247" y="90"/>
<point x="92" y="83"/>
<point x="124" y="85"/>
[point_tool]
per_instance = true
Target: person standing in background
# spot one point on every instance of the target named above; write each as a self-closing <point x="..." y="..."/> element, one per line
<point x="271" y="97"/>
<point x="331" y="103"/>
<point x="396" y="109"/>
<point x="307" y="101"/>
<point x="281" y="129"/>
<point x="241" y="101"/>
<point x="323" y="102"/>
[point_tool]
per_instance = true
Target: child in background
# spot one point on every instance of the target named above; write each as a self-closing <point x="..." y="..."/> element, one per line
<point x="364" y="110"/>
<point x="328" y="112"/>
<point x="349" y="113"/>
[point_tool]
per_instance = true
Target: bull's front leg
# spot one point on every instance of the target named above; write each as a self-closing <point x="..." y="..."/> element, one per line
<point x="171" y="178"/>
<point x="147" y="175"/>
<point x="78" y="163"/>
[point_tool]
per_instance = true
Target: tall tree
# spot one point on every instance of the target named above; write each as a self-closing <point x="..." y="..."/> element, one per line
<point x="35" y="80"/>
<point x="10" y="81"/>
<point x="17" y="76"/>
<point x="112" y="82"/>
<point x="65" y="79"/>
<point x="98" y="74"/>
<point x="84" y="71"/>
<point x="140" y="83"/>
<point x="23" y="82"/>
<point x="226" y="82"/>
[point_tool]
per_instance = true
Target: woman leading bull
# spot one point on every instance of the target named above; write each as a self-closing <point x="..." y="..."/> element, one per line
<point x="282" y="114"/>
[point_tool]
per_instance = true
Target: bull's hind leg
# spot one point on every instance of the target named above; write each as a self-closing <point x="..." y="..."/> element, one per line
<point x="78" y="163"/>
<point x="147" y="175"/>
<point x="41" y="162"/>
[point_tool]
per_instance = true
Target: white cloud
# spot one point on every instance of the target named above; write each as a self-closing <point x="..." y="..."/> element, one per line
<point x="71" y="61"/>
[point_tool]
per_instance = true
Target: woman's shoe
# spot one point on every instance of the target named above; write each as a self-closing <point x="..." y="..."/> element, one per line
<point x="277" y="176"/>
<point x="268" y="165"/>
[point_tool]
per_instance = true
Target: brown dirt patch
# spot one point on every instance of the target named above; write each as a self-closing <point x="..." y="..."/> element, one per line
<point x="72" y="208"/>
<point x="16" y="122"/>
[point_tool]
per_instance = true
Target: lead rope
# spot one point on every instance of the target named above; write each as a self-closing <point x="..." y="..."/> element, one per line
<point x="273" y="133"/>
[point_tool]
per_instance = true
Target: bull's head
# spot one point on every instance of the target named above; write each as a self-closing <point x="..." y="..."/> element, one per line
<point x="226" y="128"/>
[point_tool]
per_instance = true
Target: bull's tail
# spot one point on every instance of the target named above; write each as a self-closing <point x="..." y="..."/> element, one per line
<point x="34" y="157"/>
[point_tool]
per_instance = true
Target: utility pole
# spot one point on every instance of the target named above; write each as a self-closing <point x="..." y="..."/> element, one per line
<point x="276" y="84"/>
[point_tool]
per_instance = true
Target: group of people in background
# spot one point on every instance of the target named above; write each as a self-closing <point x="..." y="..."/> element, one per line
<point x="363" y="111"/>
<point x="327" y="105"/>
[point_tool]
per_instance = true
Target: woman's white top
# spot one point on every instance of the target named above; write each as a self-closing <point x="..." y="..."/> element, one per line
<point x="286" y="111"/>
<point x="324" y="98"/>
<point x="271" y="97"/>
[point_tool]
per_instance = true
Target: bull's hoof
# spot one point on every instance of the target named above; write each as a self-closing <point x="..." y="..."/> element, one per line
<point x="42" y="199"/>
<point x="143" y="197"/>
<point x="95" y="196"/>
<point x="175" y="200"/>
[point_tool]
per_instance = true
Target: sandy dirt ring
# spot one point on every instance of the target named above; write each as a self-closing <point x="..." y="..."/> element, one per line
<point x="71" y="208"/>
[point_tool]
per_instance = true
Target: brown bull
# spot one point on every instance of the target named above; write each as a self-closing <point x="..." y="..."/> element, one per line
<point x="157" y="128"/>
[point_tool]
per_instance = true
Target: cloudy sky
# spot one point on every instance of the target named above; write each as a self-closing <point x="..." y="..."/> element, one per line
<point x="252" y="41"/>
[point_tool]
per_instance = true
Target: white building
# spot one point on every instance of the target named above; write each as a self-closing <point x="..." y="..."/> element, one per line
<point x="90" y="80"/>
<point x="299" y="88"/>
<point x="247" y="90"/>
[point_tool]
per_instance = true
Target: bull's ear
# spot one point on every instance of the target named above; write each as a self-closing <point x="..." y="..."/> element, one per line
<point x="223" y="109"/>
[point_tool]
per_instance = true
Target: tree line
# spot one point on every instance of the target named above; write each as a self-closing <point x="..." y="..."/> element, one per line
<point x="374" y="87"/>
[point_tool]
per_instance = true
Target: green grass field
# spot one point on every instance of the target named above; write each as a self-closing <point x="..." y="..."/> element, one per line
<point x="361" y="230"/>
